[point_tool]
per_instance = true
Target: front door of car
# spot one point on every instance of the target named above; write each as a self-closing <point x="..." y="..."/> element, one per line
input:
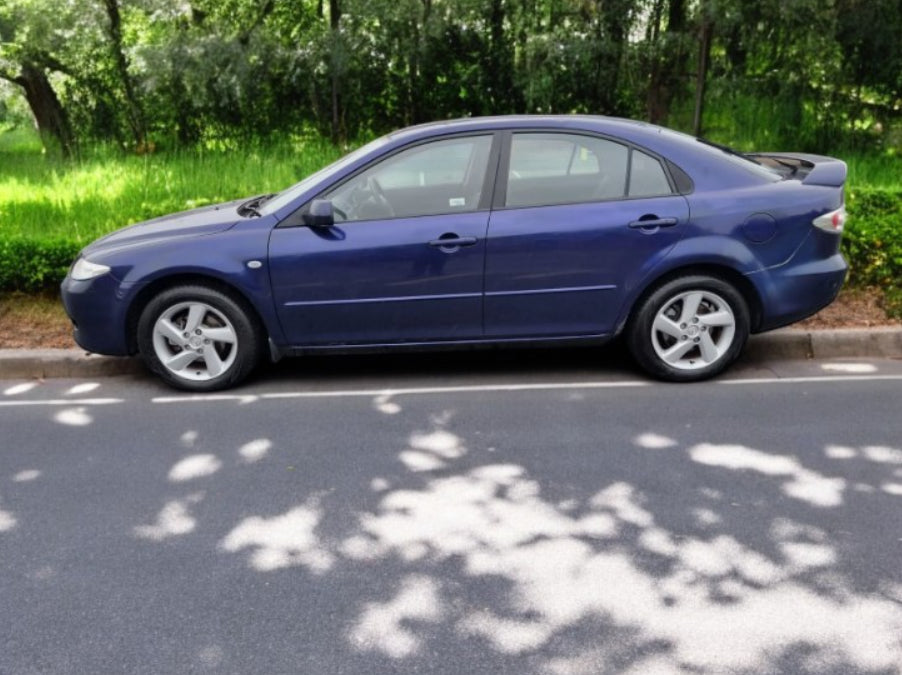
<point x="404" y="259"/>
<point x="579" y="221"/>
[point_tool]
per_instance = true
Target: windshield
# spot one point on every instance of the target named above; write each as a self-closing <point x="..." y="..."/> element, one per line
<point x="288" y="195"/>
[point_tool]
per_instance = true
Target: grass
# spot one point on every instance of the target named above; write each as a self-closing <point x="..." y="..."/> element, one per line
<point x="878" y="171"/>
<point x="760" y="124"/>
<point x="42" y="197"/>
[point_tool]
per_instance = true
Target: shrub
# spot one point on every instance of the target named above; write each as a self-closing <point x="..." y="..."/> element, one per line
<point x="33" y="265"/>
<point x="872" y="243"/>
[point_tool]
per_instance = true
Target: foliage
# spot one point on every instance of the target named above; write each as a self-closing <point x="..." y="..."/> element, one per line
<point x="34" y="264"/>
<point x="809" y="75"/>
<point x="81" y="201"/>
<point x="50" y="209"/>
<point x="871" y="241"/>
<point x="215" y="87"/>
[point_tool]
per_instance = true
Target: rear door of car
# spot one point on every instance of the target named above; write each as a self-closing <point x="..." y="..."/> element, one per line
<point x="578" y="221"/>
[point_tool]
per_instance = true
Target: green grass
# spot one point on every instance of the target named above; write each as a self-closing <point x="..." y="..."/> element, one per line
<point x="874" y="171"/>
<point x="42" y="197"/>
<point x="78" y="201"/>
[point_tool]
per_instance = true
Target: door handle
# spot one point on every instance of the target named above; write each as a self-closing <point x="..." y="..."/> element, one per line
<point x="453" y="241"/>
<point x="649" y="222"/>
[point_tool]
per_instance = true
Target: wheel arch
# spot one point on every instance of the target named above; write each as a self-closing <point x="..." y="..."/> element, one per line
<point x="727" y="274"/>
<point x="157" y="286"/>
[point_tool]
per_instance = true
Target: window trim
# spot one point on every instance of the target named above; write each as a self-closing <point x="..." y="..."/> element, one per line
<point x="501" y="178"/>
<point x="296" y="219"/>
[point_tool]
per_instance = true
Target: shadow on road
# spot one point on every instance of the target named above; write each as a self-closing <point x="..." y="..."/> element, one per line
<point x="414" y="534"/>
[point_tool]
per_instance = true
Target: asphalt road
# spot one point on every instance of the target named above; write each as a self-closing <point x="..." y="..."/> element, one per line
<point x="503" y="513"/>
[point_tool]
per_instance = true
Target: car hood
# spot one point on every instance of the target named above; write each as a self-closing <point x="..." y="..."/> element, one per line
<point x="201" y="221"/>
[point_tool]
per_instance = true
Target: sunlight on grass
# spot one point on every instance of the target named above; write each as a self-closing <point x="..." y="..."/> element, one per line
<point x="84" y="199"/>
<point x="43" y="197"/>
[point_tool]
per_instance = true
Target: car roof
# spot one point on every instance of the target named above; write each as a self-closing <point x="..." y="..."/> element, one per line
<point x="616" y="126"/>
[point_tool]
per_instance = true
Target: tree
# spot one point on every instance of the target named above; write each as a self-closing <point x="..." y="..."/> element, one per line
<point x="27" y="59"/>
<point x="667" y="40"/>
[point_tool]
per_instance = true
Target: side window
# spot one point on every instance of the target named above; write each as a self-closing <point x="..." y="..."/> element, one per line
<point x="443" y="176"/>
<point x="647" y="177"/>
<point x="554" y="168"/>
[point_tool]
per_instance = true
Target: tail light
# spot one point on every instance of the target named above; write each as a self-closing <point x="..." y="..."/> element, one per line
<point x="833" y="221"/>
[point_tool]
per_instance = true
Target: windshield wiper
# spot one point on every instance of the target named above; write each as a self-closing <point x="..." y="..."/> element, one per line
<point x="251" y="206"/>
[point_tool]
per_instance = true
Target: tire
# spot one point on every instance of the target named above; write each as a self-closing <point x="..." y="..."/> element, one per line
<point x="198" y="321"/>
<point x="689" y="329"/>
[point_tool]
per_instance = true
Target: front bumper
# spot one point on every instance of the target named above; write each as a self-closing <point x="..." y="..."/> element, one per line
<point x="98" y="311"/>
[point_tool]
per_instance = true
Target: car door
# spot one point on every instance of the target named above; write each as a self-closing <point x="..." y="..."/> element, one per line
<point x="404" y="260"/>
<point x="579" y="221"/>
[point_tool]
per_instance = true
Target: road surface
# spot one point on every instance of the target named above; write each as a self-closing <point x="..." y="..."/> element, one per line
<point x="517" y="513"/>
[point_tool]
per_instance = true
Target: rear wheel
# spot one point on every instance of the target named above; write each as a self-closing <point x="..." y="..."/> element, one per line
<point x="198" y="339"/>
<point x="689" y="329"/>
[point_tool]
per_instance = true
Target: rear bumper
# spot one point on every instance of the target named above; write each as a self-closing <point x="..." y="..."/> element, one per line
<point x="797" y="290"/>
<point x="98" y="313"/>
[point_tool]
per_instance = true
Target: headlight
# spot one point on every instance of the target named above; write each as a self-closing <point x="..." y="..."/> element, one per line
<point x="83" y="270"/>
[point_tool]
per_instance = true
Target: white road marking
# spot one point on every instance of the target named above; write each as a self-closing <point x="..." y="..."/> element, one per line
<point x="548" y="386"/>
<point x="58" y="402"/>
<point x="414" y="391"/>
<point x="812" y="378"/>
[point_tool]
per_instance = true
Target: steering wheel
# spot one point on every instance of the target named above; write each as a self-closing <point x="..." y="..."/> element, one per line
<point x="378" y="194"/>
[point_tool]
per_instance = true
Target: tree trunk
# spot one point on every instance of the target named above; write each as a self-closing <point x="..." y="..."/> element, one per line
<point x="499" y="64"/>
<point x="334" y="20"/>
<point x="49" y="115"/>
<point x="704" y="55"/>
<point x="665" y="76"/>
<point x="133" y="108"/>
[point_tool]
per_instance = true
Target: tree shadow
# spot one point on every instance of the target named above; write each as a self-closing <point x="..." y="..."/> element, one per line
<point x="537" y="532"/>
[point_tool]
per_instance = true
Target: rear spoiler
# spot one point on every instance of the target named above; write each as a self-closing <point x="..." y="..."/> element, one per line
<point x="810" y="169"/>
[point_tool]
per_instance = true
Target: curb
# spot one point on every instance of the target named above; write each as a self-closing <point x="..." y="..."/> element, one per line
<point x="44" y="363"/>
<point x="783" y="344"/>
<point x="883" y="342"/>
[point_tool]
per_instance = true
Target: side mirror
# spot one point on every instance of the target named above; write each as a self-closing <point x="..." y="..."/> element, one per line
<point x="321" y="214"/>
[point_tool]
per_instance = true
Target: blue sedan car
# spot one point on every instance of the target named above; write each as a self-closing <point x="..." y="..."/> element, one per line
<point x="505" y="230"/>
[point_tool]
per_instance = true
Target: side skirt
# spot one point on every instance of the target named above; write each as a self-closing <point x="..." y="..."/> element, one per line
<point x="443" y="345"/>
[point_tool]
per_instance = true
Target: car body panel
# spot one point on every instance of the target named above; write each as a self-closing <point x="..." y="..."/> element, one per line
<point x="561" y="270"/>
<point x="102" y="309"/>
<point x="196" y="222"/>
<point x="380" y="280"/>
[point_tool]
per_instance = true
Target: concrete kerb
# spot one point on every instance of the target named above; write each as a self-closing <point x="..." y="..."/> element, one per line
<point x="784" y="344"/>
<point x="45" y="363"/>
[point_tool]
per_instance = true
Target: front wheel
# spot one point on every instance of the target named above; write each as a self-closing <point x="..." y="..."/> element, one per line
<point x="689" y="329"/>
<point x="198" y="339"/>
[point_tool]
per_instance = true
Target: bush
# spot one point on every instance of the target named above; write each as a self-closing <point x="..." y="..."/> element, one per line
<point x="34" y="265"/>
<point x="872" y="245"/>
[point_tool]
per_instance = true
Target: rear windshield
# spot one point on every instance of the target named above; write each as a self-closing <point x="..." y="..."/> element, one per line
<point x="726" y="152"/>
<point x="744" y="161"/>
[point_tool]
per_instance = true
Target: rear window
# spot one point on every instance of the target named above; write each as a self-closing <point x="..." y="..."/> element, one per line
<point x="737" y="158"/>
<point x="647" y="177"/>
